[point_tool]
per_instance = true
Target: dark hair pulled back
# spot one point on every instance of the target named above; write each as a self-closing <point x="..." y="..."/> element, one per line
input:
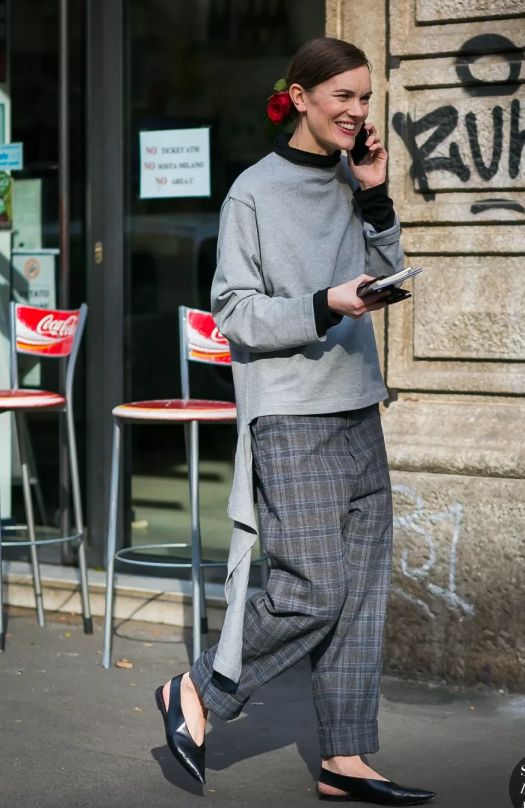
<point x="320" y="59"/>
<point x="316" y="61"/>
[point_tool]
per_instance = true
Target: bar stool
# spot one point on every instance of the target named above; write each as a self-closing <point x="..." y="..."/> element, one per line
<point x="49" y="334"/>
<point x="200" y="341"/>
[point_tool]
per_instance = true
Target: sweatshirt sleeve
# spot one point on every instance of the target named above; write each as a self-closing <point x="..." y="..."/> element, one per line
<point x="244" y="313"/>
<point x="376" y="206"/>
<point x="383" y="251"/>
<point x="325" y="318"/>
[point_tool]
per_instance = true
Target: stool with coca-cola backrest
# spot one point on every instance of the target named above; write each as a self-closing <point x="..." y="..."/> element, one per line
<point x="47" y="334"/>
<point x="200" y="341"/>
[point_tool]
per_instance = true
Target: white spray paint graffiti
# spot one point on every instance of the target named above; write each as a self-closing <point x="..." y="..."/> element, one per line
<point x="420" y="521"/>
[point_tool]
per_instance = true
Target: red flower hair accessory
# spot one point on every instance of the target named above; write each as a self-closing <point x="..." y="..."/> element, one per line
<point x="279" y="103"/>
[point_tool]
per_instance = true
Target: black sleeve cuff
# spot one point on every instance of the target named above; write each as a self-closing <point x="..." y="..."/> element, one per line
<point x="376" y="206"/>
<point x="325" y="318"/>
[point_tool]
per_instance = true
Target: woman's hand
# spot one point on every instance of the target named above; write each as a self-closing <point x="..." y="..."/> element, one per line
<point x="344" y="299"/>
<point x="371" y="170"/>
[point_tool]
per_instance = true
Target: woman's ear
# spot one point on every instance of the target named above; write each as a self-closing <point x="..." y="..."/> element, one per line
<point x="298" y="96"/>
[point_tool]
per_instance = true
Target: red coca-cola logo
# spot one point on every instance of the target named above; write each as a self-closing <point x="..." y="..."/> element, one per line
<point x="203" y="324"/>
<point x="48" y="332"/>
<point x="206" y="343"/>
<point x="49" y="326"/>
<point x="216" y="336"/>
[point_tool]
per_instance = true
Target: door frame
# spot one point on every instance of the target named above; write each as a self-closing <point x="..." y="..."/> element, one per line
<point x="105" y="254"/>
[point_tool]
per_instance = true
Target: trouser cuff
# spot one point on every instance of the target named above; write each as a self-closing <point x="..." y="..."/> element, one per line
<point x="348" y="739"/>
<point x="217" y="692"/>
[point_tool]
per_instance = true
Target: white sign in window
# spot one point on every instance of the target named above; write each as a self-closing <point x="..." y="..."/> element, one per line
<point x="34" y="277"/>
<point x="175" y="162"/>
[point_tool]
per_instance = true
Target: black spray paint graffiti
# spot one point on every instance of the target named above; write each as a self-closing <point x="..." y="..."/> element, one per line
<point x="444" y="120"/>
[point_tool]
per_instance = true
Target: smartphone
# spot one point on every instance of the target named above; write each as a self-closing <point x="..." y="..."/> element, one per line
<point x="360" y="150"/>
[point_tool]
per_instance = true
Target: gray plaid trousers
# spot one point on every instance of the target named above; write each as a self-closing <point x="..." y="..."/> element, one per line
<point x="325" y="513"/>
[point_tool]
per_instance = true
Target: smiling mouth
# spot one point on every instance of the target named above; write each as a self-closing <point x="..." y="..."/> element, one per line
<point x="347" y="128"/>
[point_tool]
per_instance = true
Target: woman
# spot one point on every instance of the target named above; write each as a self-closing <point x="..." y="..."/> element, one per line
<point x="299" y="232"/>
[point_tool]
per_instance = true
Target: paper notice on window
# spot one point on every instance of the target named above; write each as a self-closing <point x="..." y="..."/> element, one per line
<point x="33" y="277"/>
<point x="175" y="162"/>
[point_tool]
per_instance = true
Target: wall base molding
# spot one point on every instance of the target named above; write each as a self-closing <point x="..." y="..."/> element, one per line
<point x="154" y="600"/>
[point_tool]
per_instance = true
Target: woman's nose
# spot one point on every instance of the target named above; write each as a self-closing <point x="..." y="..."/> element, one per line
<point x="355" y="108"/>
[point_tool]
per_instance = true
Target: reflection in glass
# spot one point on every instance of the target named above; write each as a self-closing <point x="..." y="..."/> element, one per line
<point x="214" y="66"/>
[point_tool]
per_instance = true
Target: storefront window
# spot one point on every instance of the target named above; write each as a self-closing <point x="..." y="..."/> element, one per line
<point x="209" y="64"/>
<point x="30" y="103"/>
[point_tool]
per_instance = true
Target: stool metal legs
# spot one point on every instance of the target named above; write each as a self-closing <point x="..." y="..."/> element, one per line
<point x="25" y="452"/>
<point x="28" y="503"/>
<point x="79" y="524"/>
<point x="200" y="623"/>
<point x="2" y="628"/>
<point x="34" y="479"/>
<point x="79" y="521"/>
<point x="111" y="544"/>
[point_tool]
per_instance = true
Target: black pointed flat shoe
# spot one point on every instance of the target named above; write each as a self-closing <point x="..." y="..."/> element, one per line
<point x="182" y="745"/>
<point x="380" y="792"/>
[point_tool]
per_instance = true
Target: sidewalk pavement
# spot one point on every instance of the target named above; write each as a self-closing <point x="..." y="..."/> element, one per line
<point x="74" y="735"/>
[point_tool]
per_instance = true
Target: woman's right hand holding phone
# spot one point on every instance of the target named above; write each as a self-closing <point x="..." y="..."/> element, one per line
<point x="369" y="166"/>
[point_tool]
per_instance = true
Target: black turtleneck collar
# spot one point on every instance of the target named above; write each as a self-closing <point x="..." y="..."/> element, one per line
<point x="301" y="157"/>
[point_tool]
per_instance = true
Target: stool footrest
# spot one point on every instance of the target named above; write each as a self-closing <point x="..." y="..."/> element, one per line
<point x="122" y="555"/>
<point x="27" y="543"/>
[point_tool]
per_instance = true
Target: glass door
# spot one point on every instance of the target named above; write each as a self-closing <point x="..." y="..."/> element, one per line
<point x="206" y="66"/>
<point x="32" y="106"/>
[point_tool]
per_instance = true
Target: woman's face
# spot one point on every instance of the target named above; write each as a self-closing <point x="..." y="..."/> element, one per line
<point x="334" y="111"/>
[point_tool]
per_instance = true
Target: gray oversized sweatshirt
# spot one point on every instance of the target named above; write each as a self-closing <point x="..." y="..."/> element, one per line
<point x="287" y="230"/>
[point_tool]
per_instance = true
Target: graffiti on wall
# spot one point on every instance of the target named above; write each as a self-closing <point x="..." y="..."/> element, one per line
<point x="445" y="120"/>
<point x="419" y="525"/>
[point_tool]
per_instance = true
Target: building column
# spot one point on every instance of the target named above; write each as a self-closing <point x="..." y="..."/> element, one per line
<point x="454" y="354"/>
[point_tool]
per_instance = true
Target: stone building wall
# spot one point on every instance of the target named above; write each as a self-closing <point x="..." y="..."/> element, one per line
<point x="449" y="84"/>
